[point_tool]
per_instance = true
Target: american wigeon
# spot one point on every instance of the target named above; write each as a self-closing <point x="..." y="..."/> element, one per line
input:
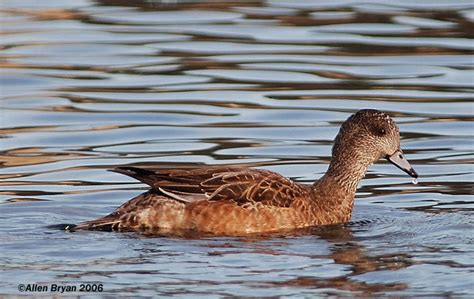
<point x="239" y="201"/>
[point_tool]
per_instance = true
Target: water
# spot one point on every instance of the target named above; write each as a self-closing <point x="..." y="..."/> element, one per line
<point x="89" y="85"/>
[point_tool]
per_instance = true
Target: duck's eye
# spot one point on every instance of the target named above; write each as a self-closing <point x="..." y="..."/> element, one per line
<point x="378" y="131"/>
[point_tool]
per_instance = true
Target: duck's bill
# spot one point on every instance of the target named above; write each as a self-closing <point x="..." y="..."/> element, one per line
<point x="398" y="159"/>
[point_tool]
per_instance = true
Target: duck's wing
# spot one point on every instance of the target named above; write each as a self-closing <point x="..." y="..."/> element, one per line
<point x="252" y="186"/>
<point x="238" y="185"/>
<point x="181" y="184"/>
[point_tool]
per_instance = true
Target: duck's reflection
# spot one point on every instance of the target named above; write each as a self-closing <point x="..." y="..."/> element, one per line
<point x="345" y="249"/>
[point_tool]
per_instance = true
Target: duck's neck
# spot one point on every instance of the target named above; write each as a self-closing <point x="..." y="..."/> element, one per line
<point x="334" y="192"/>
<point x="347" y="172"/>
<point x="339" y="183"/>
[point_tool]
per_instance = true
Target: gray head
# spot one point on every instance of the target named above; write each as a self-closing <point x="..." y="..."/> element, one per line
<point x="367" y="136"/>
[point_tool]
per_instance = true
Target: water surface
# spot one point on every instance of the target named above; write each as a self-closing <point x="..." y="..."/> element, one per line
<point x="89" y="85"/>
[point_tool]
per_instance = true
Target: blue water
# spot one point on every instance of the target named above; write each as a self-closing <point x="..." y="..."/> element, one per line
<point x="90" y="85"/>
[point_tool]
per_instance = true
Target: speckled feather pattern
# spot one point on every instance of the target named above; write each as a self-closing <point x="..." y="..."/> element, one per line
<point x="239" y="201"/>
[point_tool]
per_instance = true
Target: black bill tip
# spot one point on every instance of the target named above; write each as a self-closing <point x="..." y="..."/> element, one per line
<point x="412" y="173"/>
<point x="399" y="160"/>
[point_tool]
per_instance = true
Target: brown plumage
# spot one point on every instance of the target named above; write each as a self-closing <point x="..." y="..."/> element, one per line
<point x="238" y="201"/>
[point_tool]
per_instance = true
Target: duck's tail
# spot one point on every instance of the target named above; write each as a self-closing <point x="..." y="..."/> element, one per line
<point x="62" y="226"/>
<point x="106" y="223"/>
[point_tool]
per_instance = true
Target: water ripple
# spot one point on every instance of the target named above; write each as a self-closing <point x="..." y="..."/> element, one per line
<point x="90" y="85"/>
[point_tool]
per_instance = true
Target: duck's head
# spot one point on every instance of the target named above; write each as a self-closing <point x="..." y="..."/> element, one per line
<point x="369" y="135"/>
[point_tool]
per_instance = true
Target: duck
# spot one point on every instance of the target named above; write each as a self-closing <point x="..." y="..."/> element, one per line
<point x="236" y="201"/>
